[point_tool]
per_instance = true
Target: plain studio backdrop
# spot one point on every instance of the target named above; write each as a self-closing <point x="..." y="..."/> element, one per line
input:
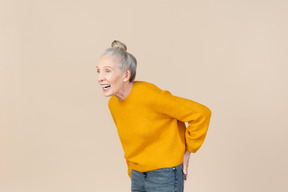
<point x="56" y="133"/>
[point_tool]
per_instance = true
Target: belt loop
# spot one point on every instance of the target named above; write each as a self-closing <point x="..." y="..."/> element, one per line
<point x="145" y="176"/>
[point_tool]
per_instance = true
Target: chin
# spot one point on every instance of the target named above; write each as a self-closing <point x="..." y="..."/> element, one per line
<point x="107" y="94"/>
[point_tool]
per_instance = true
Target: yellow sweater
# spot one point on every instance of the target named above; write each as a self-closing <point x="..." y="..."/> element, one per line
<point x="150" y="124"/>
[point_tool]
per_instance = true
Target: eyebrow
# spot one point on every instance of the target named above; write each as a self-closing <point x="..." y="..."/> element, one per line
<point x="105" y="67"/>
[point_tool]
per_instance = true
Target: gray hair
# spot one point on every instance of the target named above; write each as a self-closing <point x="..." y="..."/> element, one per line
<point x="127" y="60"/>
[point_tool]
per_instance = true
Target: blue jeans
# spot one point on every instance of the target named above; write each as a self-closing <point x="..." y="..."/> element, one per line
<point x="159" y="180"/>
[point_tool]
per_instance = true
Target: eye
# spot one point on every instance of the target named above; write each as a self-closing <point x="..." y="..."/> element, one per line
<point x="98" y="70"/>
<point x="108" y="70"/>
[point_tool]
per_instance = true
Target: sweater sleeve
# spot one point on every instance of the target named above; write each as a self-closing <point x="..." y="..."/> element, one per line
<point x="185" y="110"/>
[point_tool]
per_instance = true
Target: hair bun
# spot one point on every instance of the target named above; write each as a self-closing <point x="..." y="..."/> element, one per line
<point x="118" y="44"/>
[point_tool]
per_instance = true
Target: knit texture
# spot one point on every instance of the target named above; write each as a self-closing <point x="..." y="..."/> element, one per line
<point x="151" y="128"/>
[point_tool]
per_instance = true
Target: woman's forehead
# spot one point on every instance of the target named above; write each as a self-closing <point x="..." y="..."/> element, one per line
<point x="108" y="61"/>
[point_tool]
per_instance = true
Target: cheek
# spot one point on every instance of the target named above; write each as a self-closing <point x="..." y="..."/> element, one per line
<point x="115" y="79"/>
<point x="109" y="77"/>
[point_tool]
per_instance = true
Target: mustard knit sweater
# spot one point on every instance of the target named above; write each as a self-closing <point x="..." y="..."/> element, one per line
<point x="151" y="128"/>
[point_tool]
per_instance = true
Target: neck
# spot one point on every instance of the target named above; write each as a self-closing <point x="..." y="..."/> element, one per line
<point x="125" y="91"/>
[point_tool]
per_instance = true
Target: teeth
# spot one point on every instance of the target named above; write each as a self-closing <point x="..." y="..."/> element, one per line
<point x="105" y="86"/>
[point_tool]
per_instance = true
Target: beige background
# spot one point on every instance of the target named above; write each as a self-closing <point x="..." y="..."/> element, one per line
<point x="56" y="133"/>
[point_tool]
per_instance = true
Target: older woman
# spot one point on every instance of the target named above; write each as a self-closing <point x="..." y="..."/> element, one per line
<point x="150" y="124"/>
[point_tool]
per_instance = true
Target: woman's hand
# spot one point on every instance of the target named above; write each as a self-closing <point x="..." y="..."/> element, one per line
<point x="185" y="164"/>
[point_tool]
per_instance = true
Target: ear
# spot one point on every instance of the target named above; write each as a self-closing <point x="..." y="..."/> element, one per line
<point x="127" y="75"/>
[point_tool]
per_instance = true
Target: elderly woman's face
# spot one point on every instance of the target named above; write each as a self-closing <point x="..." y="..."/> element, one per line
<point x="109" y="75"/>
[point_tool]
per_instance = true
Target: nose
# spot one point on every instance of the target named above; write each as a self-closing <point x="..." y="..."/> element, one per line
<point x="100" y="77"/>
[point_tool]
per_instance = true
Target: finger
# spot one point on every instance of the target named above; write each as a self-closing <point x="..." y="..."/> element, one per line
<point x="185" y="172"/>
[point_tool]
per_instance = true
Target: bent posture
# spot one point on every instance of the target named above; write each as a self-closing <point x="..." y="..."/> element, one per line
<point x="150" y="124"/>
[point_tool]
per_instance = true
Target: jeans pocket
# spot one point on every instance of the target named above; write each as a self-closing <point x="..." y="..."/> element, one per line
<point x="163" y="176"/>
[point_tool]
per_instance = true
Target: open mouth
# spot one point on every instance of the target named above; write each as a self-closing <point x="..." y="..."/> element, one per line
<point x="105" y="87"/>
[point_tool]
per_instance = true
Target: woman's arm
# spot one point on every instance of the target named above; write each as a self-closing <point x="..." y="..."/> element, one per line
<point x="185" y="110"/>
<point x="186" y="164"/>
